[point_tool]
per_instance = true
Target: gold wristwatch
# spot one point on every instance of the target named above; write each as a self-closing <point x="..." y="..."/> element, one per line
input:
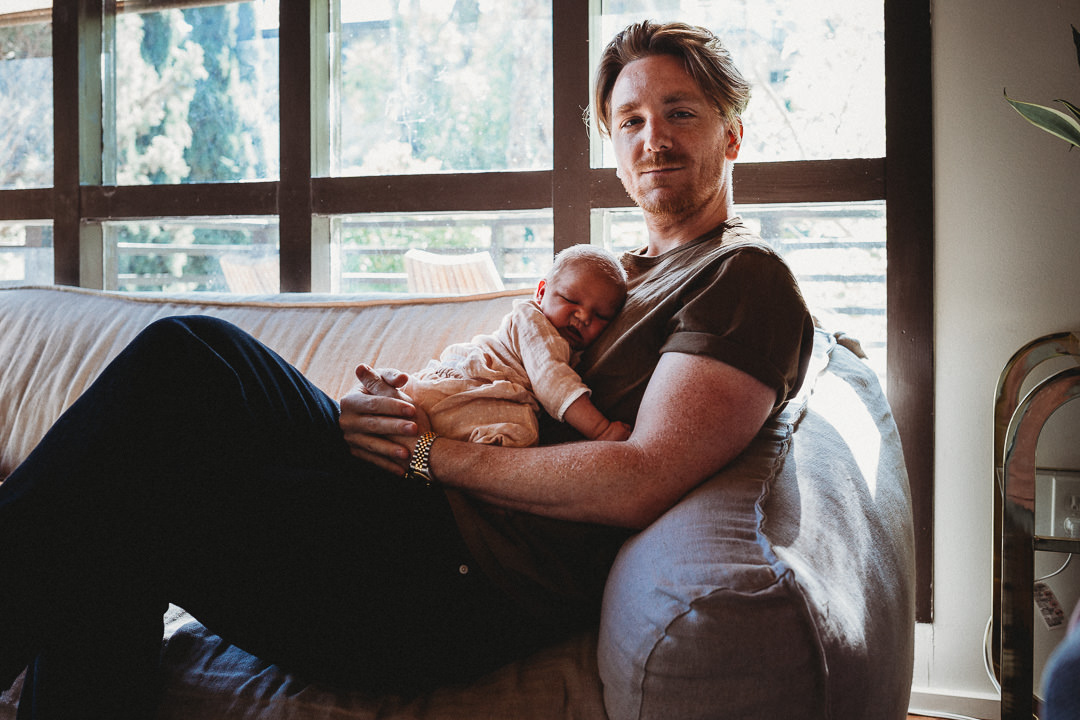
<point x="419" y="467"/>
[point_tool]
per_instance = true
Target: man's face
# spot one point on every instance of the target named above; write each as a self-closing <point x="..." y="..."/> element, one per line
<point x="672" y="148"/>
<point x="579" y="304"/>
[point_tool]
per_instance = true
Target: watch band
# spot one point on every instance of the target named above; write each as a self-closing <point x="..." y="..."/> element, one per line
<point x="419" y="466"/>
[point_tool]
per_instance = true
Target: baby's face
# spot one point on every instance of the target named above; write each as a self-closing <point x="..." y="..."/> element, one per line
<point x="579" y="303"/>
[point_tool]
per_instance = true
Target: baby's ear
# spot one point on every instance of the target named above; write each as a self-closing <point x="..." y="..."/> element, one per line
<point x="540" y="288"/>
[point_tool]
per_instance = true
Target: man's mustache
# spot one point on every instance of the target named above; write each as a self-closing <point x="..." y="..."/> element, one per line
<point x="665" y="162"/>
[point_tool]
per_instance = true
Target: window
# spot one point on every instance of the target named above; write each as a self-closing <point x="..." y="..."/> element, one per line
<point x="194" y="96"/>
<point x="320" y="143"/>
<point x="26" y="129"/>
<point x="442" y="87"/>
<point x="817" y="70"/>
<point x="25" y="253"/>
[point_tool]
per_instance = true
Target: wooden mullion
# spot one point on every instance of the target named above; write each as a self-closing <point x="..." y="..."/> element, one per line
<point x="294" y="190"/>
<point x="570" y="178"/>
<point x="816" y="181"/>
<point x="65" y="211"/>
<point x="463" y="192"/>
<point x="910" y="215"/>
<point x="26" y="204"/>
<point x="189" y="200"/>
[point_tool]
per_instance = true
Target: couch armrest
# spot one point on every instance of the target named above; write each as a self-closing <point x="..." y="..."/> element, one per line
<point x="784" y="583"/>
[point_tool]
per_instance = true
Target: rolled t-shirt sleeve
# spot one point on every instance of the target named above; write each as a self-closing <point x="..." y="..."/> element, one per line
<point x="750" y="315"/>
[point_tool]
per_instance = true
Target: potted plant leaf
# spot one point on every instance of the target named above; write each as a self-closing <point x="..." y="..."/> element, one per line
<point x="1055" y="122"/>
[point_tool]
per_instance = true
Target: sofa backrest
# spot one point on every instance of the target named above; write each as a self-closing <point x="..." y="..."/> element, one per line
<point x="55" y="341"/>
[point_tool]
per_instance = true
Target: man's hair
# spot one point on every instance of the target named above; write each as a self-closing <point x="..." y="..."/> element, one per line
<point x="596" y="259"/>
<point x="704" y="56"/>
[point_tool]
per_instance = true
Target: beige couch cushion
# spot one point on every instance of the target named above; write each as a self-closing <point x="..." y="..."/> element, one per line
<point x="56" y="341"/>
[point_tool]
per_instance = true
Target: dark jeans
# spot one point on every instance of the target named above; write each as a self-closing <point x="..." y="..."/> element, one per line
<point x="203" y="470"/>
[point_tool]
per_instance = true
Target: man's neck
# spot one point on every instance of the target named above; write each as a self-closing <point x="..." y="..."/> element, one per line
<point x="668" y="232"/>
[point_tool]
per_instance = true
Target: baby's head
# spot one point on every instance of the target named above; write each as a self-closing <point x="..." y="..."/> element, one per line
<point x="582" y="293"/>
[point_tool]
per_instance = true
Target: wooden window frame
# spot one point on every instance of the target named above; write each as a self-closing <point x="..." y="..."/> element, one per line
<point x="903" y="179"/>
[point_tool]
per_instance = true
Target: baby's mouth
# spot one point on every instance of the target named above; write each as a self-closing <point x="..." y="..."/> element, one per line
<point x="573" y="336"/>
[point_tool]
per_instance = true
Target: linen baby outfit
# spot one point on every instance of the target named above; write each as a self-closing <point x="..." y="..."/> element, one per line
<point x="489" y="390"/>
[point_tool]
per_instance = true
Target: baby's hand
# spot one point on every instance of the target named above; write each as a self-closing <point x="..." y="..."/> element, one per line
<point x="616" y="431"/>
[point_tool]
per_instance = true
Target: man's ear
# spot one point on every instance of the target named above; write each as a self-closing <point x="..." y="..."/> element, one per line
<point x="734" y="139"/>
<point x="540" y="288"/>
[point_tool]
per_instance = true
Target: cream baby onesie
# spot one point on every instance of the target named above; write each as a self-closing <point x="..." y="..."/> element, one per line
<point x="490" y="389"/>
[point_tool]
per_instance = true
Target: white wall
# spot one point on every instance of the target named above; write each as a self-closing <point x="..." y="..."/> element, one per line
<point x="1007" y="270"/>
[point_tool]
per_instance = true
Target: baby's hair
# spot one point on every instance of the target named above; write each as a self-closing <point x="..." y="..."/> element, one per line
<point x="596" y="259"/>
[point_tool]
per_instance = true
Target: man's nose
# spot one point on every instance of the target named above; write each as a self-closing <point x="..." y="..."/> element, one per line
<point x="657" y="136"/>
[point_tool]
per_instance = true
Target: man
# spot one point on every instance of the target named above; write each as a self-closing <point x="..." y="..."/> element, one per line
<point x="293" y="541"/>
<point x="713" y="338"/>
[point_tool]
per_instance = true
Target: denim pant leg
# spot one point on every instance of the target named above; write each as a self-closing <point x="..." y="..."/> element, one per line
<point x="202" y="469"/>
<point x="88" y="519"/>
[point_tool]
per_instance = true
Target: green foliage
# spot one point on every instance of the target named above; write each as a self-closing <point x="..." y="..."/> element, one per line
<point x="451" y="88"/>
<point x="27" y="117"/>
<point x="1055" y="122"/>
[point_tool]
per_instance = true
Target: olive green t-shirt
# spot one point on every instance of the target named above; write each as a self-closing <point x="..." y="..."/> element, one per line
<point x="726" y="295"/>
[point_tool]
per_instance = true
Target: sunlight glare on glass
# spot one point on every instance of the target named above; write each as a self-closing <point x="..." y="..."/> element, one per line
<point x="817" y="70"/>
<point x="433" y="86"/>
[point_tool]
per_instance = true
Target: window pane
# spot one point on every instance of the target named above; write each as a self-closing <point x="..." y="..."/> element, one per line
<point x="26" y="103"/>
<point x="196" y="94"/>
<point x="238" y="255"/>
<point x="817" y="70"/>
<point x="435" y="86"/>
<point x="457" y="253"/>
<point x="836" y="251"/>
<point x="26" y="254"/>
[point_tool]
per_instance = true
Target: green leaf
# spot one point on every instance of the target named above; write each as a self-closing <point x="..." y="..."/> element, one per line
<point x="1072" y="108"/>
<point x="1052" y="121"/>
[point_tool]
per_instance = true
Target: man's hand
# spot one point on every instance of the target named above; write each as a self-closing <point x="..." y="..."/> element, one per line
<point x="380" y="423"/>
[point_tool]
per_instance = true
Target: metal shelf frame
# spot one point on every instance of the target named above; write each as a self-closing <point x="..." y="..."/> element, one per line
<point x="1017" y="426"/>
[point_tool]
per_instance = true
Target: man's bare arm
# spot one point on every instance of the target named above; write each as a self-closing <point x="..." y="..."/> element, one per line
<point x="696" y="416"/>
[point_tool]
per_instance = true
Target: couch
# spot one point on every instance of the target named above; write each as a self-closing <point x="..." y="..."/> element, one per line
<point x="780" y="588"/>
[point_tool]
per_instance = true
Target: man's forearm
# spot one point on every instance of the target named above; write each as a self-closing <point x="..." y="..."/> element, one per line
<point x="602" y="482"/>
<point x="696" y="416"/>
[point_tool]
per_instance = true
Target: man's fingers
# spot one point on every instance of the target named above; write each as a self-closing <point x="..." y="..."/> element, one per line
<point x="377" y="414"/>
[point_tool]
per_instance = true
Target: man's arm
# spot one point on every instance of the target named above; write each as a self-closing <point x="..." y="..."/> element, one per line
<point x="696" y="416"/>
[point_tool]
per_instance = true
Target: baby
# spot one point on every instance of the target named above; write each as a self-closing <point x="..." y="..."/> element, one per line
<point x="490" y="390"/>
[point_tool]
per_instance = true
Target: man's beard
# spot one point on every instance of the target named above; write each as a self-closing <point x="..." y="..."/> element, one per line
<point x="677" y="201"/>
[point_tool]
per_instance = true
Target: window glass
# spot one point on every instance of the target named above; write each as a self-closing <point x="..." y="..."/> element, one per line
<point x="26" y="101"/>
<point x="817" y="70"/>
<point x="442" y="253"/>
<point x="837" y="252"/>
<point x="435" y="86"/>
<point x="195" y="94"/>
<point x="26" y="254"/>
<point x="238" y="255"/>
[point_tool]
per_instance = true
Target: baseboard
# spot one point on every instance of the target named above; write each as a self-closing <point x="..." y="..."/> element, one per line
<point x="980" y="706"/>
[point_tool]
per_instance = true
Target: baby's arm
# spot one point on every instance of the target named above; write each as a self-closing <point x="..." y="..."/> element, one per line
<point x="590" y="422"/>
